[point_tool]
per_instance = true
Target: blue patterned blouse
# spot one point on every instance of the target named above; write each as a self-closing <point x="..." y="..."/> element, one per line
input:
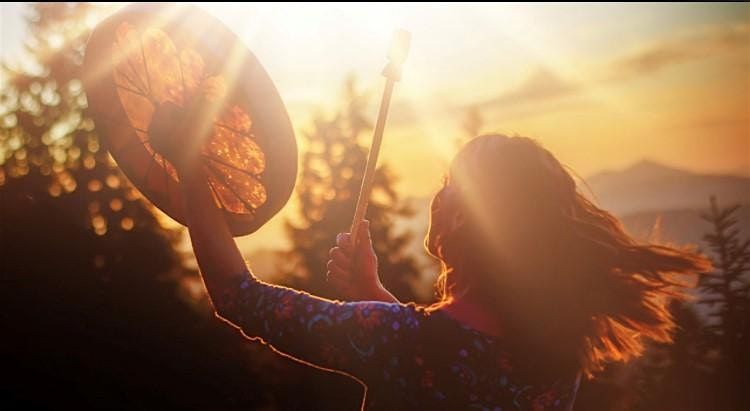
<point x="406" y="356"/>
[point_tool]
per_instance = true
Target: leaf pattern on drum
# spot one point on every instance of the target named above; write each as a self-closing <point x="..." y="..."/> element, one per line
<point x="150" y="70"/>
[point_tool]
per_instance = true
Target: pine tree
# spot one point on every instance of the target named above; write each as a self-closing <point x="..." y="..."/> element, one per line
<point x="727" y="292"/>
<point x="327" y="190"/>
<point x="674" y="376"/>
<point x="727" y="289"/>
<point x="89" y="277"/>
<point x="49" y="147"/>
<point x="472" y="124"/>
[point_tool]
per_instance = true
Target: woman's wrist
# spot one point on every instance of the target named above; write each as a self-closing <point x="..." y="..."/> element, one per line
<point x="380" y="293"/>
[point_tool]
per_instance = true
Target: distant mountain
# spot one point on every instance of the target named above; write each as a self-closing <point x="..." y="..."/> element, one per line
<point x="679" y="227"/>
<point x="655" y="202"/>
<point x="649" y="186"/>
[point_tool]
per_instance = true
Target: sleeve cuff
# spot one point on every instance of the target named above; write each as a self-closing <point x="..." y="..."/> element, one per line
<point x="229" y="296"/>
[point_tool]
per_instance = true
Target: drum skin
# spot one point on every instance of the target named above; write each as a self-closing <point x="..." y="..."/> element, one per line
<point x="146" y="55"/>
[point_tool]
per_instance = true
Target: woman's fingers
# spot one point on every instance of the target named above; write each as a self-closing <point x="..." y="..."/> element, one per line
<point x="337" y="269"/>
<point x="341" y="266"/>
<point x="344" y="241"/>
<point x="364" y="241"/>
<point x="339" y="279"/>
<point x="364" y="229"/>
<point x="342" y="285"/>
<point x="338" y="274"/>
<point x="342" y="259"/>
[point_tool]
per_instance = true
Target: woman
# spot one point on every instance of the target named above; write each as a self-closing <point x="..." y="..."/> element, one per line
<point x="538" y="287"/>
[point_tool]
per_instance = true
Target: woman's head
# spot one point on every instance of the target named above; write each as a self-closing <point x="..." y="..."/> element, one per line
<point x="513" y="232"/>
<point x="512" y="193"/>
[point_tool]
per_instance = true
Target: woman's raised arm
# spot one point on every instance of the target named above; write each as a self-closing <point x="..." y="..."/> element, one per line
<point x="219" y="259"/>
<point x="349" y="337"/>
<point x="176" y="132"/>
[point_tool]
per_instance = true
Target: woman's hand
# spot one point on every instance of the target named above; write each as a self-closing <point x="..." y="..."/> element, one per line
<point x="177" y="133"/>
<point x="353" y="269"/>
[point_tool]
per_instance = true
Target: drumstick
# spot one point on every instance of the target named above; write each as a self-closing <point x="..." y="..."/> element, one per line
<point x="392" y="72"/>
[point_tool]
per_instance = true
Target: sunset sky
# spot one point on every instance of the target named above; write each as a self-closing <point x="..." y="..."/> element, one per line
<point x="602" y="86"/>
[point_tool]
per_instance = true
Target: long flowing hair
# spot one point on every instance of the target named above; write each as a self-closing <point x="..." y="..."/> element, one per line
<point x="571" y="288"/>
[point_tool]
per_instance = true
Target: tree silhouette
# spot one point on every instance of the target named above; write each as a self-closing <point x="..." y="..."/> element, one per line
<point x="97" y="307"/>
<point x="327" y="190"/>
<point x="706" y="366"/>
<point x="727" y="292"/>
<point x="675" y="376"/>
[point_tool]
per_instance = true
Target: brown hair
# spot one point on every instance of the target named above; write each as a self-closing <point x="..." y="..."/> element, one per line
<point x="572" y="289"/>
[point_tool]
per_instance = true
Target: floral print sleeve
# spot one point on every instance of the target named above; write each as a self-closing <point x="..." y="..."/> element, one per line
<point x="408" y="357"/>
<point x="347" y="337"/>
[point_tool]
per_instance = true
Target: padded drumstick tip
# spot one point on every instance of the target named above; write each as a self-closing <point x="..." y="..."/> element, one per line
<point x="399" y="46"/>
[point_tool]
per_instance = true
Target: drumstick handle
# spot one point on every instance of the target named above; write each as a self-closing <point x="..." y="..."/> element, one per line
<point x="372" y="160"/>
